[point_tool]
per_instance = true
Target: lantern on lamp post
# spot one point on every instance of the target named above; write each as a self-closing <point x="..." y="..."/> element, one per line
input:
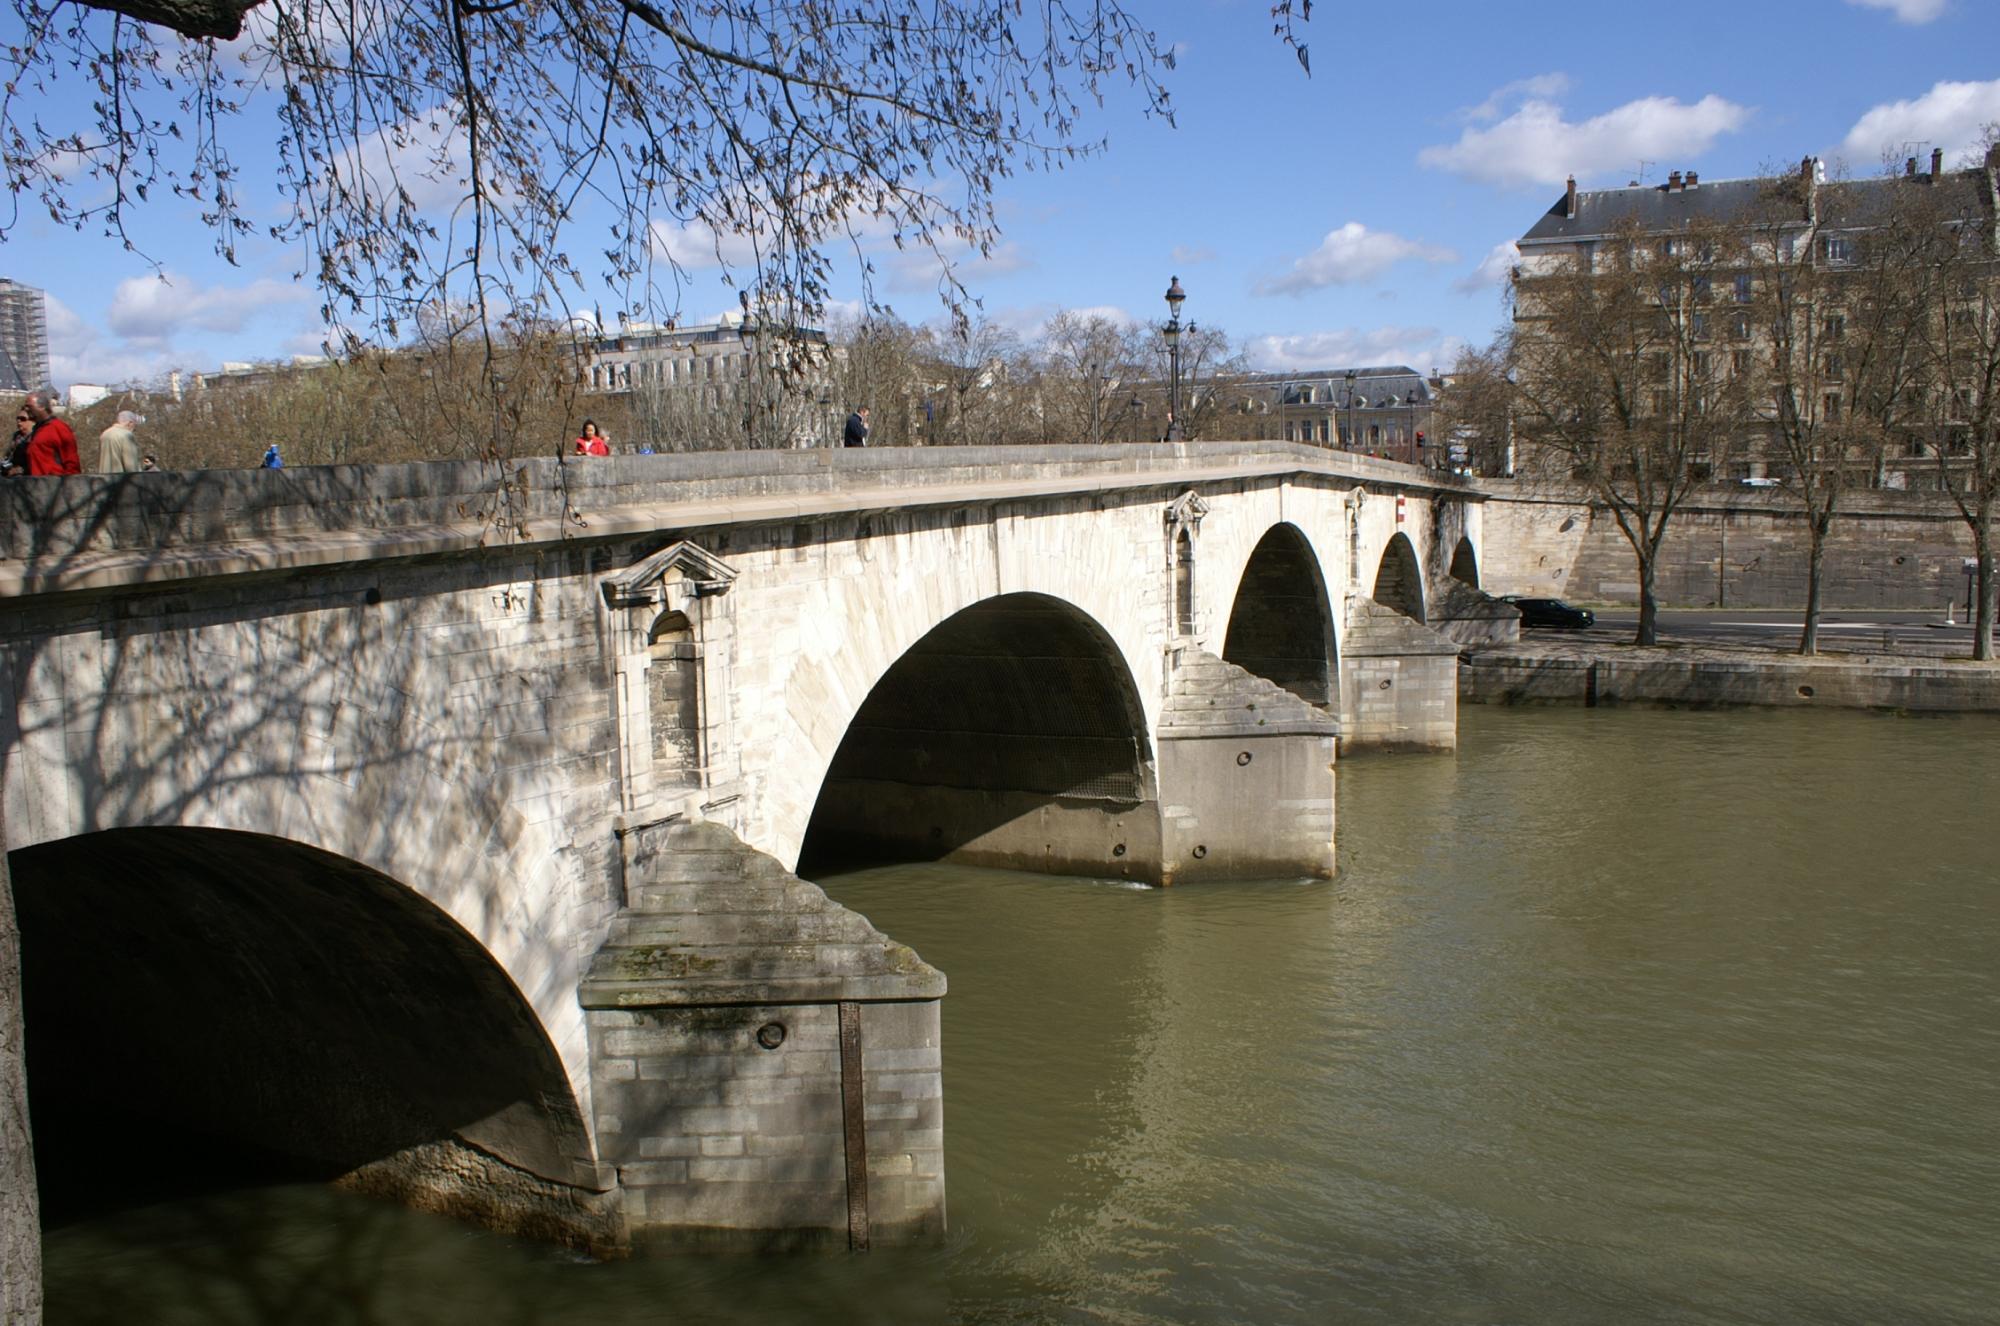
<point x="1172" y="333"/>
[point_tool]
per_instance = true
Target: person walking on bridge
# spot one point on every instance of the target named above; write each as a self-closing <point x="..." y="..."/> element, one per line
<point x="856" y="434"/>
<point x="117" y="449"/>
<point x="51" y="447"/>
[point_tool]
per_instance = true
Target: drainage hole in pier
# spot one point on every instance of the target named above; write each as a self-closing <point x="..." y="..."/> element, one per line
<point x="1243" y="757"/>
<point x="1200" y="851"/>
<point x="771" y="1035"/>
<point x="1119" y="850"/>
<point x="1806" y="691"/>
<point x="1385" y="683"/>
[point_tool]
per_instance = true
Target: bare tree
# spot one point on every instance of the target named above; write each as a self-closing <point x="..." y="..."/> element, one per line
<point x="1813" y="319"/>
<point x="1956" y="238"/>
<point x="450" y="148"/>
<point x="1618" y="385"/>
<point x="1087" y="362"/>
<point x="1473" y="418"/>
<point x="978" y="364"/>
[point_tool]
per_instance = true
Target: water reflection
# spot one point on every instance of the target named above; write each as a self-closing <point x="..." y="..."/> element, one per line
<point x="1612" y="1017"/>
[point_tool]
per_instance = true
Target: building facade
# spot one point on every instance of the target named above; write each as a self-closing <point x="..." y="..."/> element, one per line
<point x="24" y="337"/>
<point x="1763" y="286"/>
<point x="1376" y="411"/>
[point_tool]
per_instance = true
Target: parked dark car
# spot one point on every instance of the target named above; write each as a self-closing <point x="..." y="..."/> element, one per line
<point x="1552" y="613"/>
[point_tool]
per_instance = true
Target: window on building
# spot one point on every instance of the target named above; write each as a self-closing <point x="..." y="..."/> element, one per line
<point x="1834" y="327"/>
<point x="1739" y="363"/>
<point x="1703" y="290"/>
<point x="1662" y="402"/>
<point x="1305" y="395"/>
<point x="1704" y="363"/>
<point x="1839" y="248"/>
<point x="1739" y="327"/>
<point x="1832" y="411"/>
<point x="1834" y="368"/>
<point x="1700" y="326"/>
<point x="1745" y="289"/>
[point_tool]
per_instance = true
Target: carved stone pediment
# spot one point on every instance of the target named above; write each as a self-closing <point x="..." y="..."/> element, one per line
<point x="1186" y="511"/>
<point x="647" y="583"/>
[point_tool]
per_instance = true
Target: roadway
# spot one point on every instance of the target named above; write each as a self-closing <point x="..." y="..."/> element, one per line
<point x="1873" y="631"/>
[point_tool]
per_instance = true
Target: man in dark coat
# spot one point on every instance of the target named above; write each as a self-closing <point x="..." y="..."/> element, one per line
<point x="857" y="428"/>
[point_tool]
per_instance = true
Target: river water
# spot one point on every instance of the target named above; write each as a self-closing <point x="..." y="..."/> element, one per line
<point x="1614" y="1016"/>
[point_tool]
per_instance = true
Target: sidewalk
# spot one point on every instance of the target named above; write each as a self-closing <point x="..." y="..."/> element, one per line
<point x="1599" y="667"/>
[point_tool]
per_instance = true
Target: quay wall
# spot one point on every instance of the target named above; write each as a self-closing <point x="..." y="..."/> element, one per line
<point x="1729" y="549"/>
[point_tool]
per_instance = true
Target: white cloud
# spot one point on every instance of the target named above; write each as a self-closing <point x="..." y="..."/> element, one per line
<point x="1349" y="255"/>
<point x="1493" y="269"/>
<point x="150" y="310"/>
<point x="1536" y="145"/>
<point x="916" y="269"/>
<point x="1030" y="321"/>
<point x="78" y="353"/>
<point x="1949" y="116"/>
<point x="1541" y="87"/>
<point x="1906" y="11"/>
<point x="1421" y="348"/>
<point x="695" y="245"/>
<point x="1189" y="254"/>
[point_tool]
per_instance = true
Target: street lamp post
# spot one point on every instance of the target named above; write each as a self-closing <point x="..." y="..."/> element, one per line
<point x="1350" y="410"/>
<point x="1172" y="333"/>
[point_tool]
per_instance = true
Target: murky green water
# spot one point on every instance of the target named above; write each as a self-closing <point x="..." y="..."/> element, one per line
<point x="1613" y="1017"/>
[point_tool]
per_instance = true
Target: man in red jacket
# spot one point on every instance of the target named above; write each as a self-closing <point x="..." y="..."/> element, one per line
<point x="52" y="446"/>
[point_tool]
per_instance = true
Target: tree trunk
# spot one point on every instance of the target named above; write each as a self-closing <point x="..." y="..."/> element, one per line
<point x="1815" y="565"/>
<point x="1649" y="605"/>
<point x="20" y="1216"/>
<point x="1982" y="622"/>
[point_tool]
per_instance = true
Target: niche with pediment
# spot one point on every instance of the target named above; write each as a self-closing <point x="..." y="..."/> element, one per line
<point x="671" y="709"/>
<point x="673" y="692"/>
<point x="1183" y="521"/>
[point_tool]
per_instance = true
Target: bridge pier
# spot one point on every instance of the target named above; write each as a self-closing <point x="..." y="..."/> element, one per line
<point x="1246" y="777"/>
<point x="766" y="1066"/>
<point x="1398" y="683"/>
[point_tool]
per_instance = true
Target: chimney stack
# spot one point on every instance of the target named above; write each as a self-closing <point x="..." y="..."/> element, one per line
<point x="1910" y="167"/>
<point x="1674" y="182"/>
<point x="1693" y="179"/>
<point x="1937" y="162"/>
<point x="1569" y="198"/>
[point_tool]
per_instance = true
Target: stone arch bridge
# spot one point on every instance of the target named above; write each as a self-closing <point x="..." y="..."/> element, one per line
<point x="433" y="828"/>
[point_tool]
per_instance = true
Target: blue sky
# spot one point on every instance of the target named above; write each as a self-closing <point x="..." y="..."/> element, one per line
<point x="1356" y="216"/>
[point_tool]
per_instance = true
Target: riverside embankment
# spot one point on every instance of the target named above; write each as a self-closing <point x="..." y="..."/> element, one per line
<point x="1592" y="670"/>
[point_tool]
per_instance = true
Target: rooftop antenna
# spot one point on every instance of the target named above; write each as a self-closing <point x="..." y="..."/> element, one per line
<point x="1645" y="166"/>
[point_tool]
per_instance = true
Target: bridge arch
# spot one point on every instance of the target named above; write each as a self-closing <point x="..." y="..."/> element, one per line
<point x="1011" y="733"/>
<point x="262" y="1008"/>
<point x="1465" y="562"/>
<point x="1281" y="622"/>
<point x="1399" y="581"/>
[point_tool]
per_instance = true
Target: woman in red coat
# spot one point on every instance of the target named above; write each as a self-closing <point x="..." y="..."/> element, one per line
<point x="52" y="446"/>
<point x="592" y="443"/>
